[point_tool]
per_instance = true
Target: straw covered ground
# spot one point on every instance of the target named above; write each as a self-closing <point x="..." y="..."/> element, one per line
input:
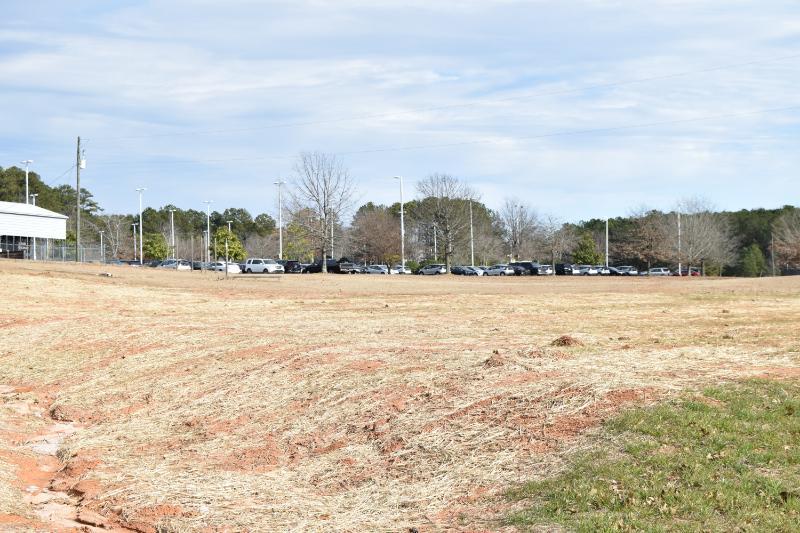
<point x="350" y="403"/>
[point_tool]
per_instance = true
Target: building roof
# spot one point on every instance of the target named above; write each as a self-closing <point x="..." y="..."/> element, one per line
<point x="15" y="208"/>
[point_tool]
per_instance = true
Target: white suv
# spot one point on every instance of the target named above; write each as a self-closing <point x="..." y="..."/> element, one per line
<point x="261" y="266"/>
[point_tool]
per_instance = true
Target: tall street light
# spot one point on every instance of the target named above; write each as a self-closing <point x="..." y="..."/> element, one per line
<point x="172" y="230"/>
<point x="208" y="229"/>
<point x="140" y="190"/>
<point x="279" y="183"/>
<point x="27" y="164"/>
<point x="102" y="248"/>
<point x="402" y="227"/>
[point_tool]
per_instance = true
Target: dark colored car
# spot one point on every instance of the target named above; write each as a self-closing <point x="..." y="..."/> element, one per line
<point x="291" y="266"/>
<point x="458" y="270"/>
<point x="563" y="269"/>
<point x="316" y="267"/>
<point x="529" y="268"/>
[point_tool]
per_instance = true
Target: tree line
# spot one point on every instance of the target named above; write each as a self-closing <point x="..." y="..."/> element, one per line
<point x="445" y="222"/>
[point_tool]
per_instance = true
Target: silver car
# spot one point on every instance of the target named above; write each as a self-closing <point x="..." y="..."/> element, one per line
<point x="377" y="269"/>
<point x="433" y="270"/>
<point x="499" y="270"/>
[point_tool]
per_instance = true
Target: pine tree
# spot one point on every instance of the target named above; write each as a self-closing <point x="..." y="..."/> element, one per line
<point x="753" y="262"/>
<point x="586" y="252"/>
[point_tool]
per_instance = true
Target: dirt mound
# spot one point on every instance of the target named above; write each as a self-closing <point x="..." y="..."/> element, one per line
<point x="566" y="340"/>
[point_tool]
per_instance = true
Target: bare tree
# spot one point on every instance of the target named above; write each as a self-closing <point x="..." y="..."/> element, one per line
<point x="445" y="206"/>
<point x="519" y="226"/>
<point x="786" y="231"/>
<point x="557" y="239"/>
<point x="115" y="230"/>
<point x="323" y="188"/>
<point x="705" y="236"/>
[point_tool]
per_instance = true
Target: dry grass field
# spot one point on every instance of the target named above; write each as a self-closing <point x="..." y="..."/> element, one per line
<point x="181" y="401"/>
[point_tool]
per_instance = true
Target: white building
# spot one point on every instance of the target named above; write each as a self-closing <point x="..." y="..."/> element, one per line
<point x="22" y="224"/>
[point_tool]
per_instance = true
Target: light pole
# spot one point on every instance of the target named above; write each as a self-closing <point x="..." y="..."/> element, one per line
<point x="140" y="190"/>
<point x="33" y="199"/>
<point x="402" y="227"/>
<point x="27" y="164"/>
<point x="102" y="248"/>
<point x="606" y="243"/>
<point x="134" y="240"/>
<point x="208" y="229"/>
<point x="226" y="246"/>
<point x="172" y="230"/>
<point x="471" y="237"/>
<point x="280" y="219"/>
<point x="679" y="244"/>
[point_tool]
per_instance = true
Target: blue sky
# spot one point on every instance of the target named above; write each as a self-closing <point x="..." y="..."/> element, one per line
<point x="203" y="99"/>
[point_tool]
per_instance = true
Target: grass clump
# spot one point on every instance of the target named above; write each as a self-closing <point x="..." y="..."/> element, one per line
<point x="726" y="460"/>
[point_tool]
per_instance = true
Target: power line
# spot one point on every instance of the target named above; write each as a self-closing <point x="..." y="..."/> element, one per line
<point x="463" y="105"/>
<point x="51" y="182"/>
<point x="563" y="133"/>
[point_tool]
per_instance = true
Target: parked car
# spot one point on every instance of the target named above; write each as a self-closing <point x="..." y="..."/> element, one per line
<point x="291" y="266"/>
<point x="316" y="267"/>
<point x="220" y="266"/>
<point x="624" y="270"/>
<point x="377" y="269"/>
<point x="531" y="268"/>
<point x="499" y="270"/>
<point x="473" y="271"/>
<point x="154" y="264"/>
<point x="401" y="269"/>
<point x="348" y="267"/>
<point x="602" y="270"/>
<point x="458" y="270"/>
<point x="689" y="272"/>
<point x="563" y="269"/>
<point x="659" y="271"/>
<point x="586" y="270"/>
<point x="257" y="265"/>
<point x="432" y="270"/>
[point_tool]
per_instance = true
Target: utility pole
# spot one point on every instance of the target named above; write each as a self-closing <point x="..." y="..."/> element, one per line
<point x="332" y="225"/>
<point x="140" y="190"/>
<point x="134" y="240"/>
<point x="191" y="241"/>
<point x="102" y="248"/>
<point x="471" y="237"/>
<point x="33" y="198"/>
<point x="208" y="230"/>
<point x="606" y="243"/>
<point x="172" y="230"/>
<point x="680" y="272"/>
<point x="402" y="227"/>
<point x="280" y="219"/>
<point x="78" y="202"/>
<point x="27" y="164"/>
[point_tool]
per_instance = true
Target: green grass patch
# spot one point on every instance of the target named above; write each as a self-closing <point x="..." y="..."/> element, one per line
<point x="726" y="460"/>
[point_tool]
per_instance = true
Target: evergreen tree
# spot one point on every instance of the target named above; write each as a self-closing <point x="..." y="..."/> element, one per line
<point x="753" y="262"/>
<point x="155" y="246"/>
<point x="586" y="252"/>
<point x="236" y="251"/>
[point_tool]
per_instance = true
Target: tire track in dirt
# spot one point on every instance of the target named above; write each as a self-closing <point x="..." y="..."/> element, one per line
<point x="35" y="457"/>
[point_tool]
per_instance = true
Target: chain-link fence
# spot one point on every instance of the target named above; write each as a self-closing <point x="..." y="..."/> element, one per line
<point x="50" y="250"/>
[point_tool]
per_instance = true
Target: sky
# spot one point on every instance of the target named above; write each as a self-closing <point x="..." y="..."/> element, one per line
<point x="578" y="109"/>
